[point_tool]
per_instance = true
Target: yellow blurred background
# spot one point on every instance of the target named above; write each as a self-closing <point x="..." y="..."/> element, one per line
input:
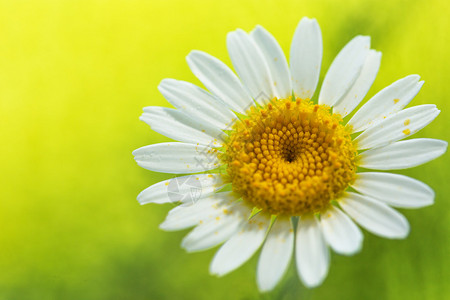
<point x="74" y="76"/>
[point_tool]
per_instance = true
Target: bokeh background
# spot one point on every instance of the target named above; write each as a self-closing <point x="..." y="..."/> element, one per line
<point x="74" y="76"/>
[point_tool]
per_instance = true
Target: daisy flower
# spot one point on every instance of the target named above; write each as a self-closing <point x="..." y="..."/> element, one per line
<point x="275" y="170"/>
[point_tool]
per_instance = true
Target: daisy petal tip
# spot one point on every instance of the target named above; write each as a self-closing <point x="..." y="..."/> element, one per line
<point x="355" y="249"/>
<point x="310" y="284"/>
<point x="265" y="286"/>
<point x="258" y="28"/>
<point x="189" y="56"/>
<point x="310" y="23"/>
<point x="164" y="82"/>
<point x="183" y="244"/>
<point x="140" y="199"/>
<point x="350" y="251"/>
<point x="419" y="85"/>
<point x="212" y="269"/>
<point x="378" y="54"/>
<point x="186" y="245"/>
<point x="400" y="232"/>
<point x="435" y="112"/>
<point x="443" y="146"/>
<point x="143" y="117"/>
<point x="363" y="40"/>
<point x="415" y="77"/>
<point x="194" y="53"/>
<point x="212" y="273"/>
<point x="163" y="226"/>
<point x="307" y="24"/>
<point x="308" y="20"/>
<point x="135" y="153"/>
<point x="313" y="280"/>
<point x="263" y="289"/>
<point x="404" y="232"/>
<point x="429" y="203"/>
<point x="233" y="35"/>
<point x="193" y="56"/>
<point x="303" y="20"/>
<point x="216" y="270"/>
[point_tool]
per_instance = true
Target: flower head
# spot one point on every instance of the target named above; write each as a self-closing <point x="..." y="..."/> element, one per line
<point x="276" y="169"/>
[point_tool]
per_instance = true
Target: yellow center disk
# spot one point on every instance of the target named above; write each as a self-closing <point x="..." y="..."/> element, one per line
<point x="290" y="157"/>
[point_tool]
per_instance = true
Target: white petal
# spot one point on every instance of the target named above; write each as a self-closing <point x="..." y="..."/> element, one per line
<point x="306" y="58"/>
<point x="275" y="255"/>
<point x="375" y="216"/>
<point x="190" y="214"/>
<point x="343" y="236"/>
<point x="216" y="230"/>
<point x="176" y="158"/>
<point x="197" y="103"/>
<point x="250" y="65"/>
<point x="344" y="70"/>
<point x="394" y="189"/>
<point x="241" y="246"/>
<point x="311" y="251"/>
<point x="219" y="80"/>
<point x="276" y="61"/>
<point x="178" y="126"/>
<point x="388" y="101"/>
<point x="402" y="155"/>
<point x="361" y="86"/>
<point x="397" y="126"/>
<point x="181" y="189"/>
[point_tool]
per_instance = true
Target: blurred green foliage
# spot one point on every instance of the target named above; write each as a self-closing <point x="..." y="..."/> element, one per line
<point x="74" y="76"/>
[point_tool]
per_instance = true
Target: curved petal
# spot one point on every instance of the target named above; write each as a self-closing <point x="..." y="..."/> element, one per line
<point x="343" y="236"/>
<point x="375" y="216"/>
<point x="191" y="214"/>
<point x="181" y="189"/>
<point x="276" y="61"/>
<point x="219" y="80"/>
<point x="178" y="126"/>
<point x="361" y="86"/>
<point x="275" y="255"/>
<point x="389" y="100"/>
<point x="394" y="189"/>
<point x="306" y="58"/>
<point x="402" y="155"/>
<point x="241" y="246"/>
<point x="197" y="103"/>
<point x="311" y="251"/>
<point x="344" y="70"/>
<point x="176" y="158"/>
<point x="250" y="65"/>
<point x="216" y="229"/>
<point x="397" y="126"/>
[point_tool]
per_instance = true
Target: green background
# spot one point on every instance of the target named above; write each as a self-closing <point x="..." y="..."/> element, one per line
<point x="74" y="76"/>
